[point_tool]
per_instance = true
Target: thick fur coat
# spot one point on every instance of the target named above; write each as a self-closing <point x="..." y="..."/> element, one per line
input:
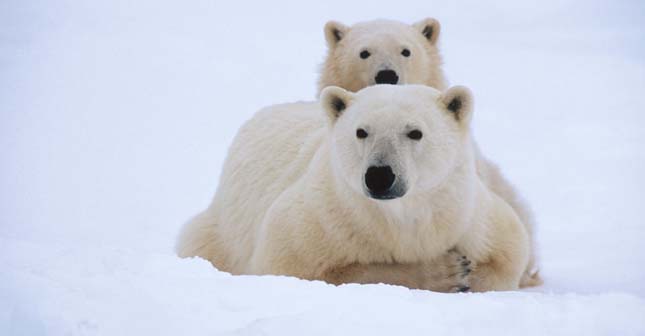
<point x="297" y="196"/>
<point x="384" y="42"/>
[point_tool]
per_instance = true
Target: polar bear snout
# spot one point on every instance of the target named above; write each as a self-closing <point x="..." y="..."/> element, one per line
<point x="380" y="183"/>
<point x="386" y="77"/>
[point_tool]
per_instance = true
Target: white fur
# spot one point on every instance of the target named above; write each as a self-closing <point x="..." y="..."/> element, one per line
<point x="291" y="198"/>
<point x="385" y="39"/>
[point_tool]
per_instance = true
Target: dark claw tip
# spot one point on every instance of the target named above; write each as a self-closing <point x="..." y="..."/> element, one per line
<point x="463" y="289"/>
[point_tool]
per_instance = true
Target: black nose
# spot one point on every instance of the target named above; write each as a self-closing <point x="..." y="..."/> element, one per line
<point x="386" y="77"/>
<point x="379" y="180"/>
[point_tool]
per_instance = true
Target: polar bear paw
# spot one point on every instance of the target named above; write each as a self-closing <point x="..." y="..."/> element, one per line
<point x="449" y="273"/>
<point x="462" y="273"/>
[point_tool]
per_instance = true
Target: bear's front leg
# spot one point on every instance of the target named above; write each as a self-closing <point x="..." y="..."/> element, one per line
<point x="496" y="274"/>
<point x="502" y="266"/>
<point x="447" y="273"/>
<point x="291" y="241"/>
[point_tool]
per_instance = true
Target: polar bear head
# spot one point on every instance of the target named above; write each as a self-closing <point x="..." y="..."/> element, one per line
<point x="382" y="52"/>
<point x="389" y="141"/>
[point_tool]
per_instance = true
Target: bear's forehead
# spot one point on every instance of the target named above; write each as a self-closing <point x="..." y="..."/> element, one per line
<point x="388" y="112"/>
<point x="379" y="25"/>
<point x="381" y="29"/>
<point x="389" y="103"/>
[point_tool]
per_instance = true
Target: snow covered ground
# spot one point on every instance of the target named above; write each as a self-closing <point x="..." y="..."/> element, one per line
<point x="115" y="118"/>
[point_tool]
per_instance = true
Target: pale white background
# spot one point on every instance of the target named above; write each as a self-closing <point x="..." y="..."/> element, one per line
<point x="115" y="118"/>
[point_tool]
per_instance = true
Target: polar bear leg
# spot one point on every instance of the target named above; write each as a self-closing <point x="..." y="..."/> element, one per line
<point x="447" y="273"/>
<point x="497" y="183"/>
<point x="504" y="265"/>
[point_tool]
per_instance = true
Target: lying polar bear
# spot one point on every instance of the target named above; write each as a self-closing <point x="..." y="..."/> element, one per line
<point x="374" y="188"/>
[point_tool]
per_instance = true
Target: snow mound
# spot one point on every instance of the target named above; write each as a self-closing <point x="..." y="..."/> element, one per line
<point x="57" y="290"/>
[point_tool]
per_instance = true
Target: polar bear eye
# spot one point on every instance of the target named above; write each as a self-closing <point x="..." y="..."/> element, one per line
<point x="405" y="52"/>
<point x="365" y="54"/>
<point x="361" y="134"/>
<point x="415" y="135"/>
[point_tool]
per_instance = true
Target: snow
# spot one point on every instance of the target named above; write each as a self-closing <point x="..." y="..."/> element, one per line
<point x="115" y="118"/>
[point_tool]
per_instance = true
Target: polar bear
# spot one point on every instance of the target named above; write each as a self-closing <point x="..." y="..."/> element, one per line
<point x="390" y="52"/>
<point x="374" y="188"/>
<point x="382" y="52"/>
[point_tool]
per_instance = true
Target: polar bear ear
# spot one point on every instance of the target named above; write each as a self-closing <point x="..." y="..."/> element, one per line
<point x="429" y="28"/>
<point x="335" y="101"/>
<point x="458" y="100"/>
<point x="334" y="32"/>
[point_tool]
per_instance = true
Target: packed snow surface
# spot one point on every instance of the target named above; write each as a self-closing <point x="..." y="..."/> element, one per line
<point x="115" y="118"/>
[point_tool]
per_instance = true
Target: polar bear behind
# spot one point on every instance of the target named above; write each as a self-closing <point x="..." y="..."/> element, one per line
<point x="382" y="52"/>
<point x="390" y="52"/>
<point x="375" y="189"/>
